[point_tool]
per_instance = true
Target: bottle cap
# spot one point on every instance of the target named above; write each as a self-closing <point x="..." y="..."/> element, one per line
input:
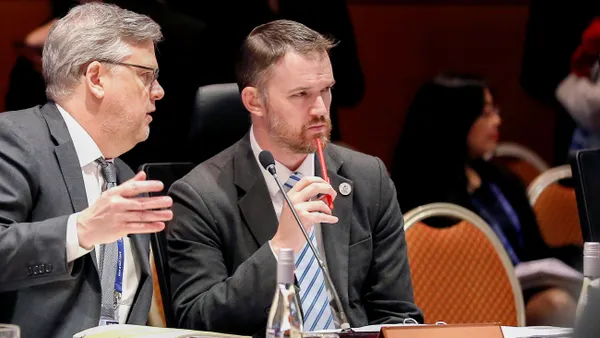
<point x="285" y="266"/>
<point x="591" y="259"/>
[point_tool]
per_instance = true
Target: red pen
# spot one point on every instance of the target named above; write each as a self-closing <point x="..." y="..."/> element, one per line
<point x="324" y="170"/>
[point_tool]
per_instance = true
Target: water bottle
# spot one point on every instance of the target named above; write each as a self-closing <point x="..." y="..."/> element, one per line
<point x="285" y="316"/>
<point x="591" y="271"/>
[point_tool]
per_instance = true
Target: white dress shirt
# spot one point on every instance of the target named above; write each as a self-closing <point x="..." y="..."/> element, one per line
<point x="307" y="168"/>
<point x="88" y="152"/>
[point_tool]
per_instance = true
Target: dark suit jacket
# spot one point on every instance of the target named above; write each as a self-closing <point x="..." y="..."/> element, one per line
<point x="40" y="186"/>
<point x="223" y="270"/>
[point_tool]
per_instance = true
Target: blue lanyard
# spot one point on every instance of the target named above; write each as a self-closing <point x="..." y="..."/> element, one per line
<point x="509" y="211"/>
<point x="120" y="266"/>
<point x="498" y="230"/>
<point x="119" y="277"/>
<point x="114" y="319"/>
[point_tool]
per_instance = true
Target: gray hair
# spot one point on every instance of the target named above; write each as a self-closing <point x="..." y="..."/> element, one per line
<point x="93" y="31"/>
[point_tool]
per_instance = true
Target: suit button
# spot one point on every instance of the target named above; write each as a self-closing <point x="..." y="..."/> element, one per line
<point x="267" y="310"/>
<point x="29" y="271"/>
<point x="36" y="270"/>
<point x="48" y="268"/>
<point x="42" y="268"/>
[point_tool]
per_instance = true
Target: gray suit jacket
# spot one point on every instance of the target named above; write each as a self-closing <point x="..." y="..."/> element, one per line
<point x="40" y="186"/>
<point x="224" y="272"/>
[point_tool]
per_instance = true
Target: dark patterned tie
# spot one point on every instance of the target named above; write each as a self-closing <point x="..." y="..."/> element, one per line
<point x="108" y="252"/>
<point x="109" y="172"/>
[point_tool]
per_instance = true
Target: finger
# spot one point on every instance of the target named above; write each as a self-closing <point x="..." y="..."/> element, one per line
<point x="311" y="191"/>
<point x="133" y="188"/>
<point x="147" y="203"/>
<point x="306" y="181"/>
<point x="143" y="228"/>
<point x="324" y="198"/>
<point x="148" y="216"/>
<point x="140" y="176"/>
<point x="313" y="206"/>
<point x="319" y="217"/>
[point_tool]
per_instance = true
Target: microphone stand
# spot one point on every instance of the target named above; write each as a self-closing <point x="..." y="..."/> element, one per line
<point x="344" y="325"/>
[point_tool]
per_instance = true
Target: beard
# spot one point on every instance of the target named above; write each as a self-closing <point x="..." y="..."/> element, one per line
<point x="299" y="142"/>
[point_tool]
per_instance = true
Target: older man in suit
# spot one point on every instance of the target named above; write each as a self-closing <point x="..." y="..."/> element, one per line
<point x="73" y="242"/>
<point x="230" y="219"/>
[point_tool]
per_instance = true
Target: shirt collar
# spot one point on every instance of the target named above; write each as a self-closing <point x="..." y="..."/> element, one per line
<point x="307" y="168"/>
<point x="87" y="150"/>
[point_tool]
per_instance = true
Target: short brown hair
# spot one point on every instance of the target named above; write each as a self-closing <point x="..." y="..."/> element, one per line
<point x="268" y="43"/>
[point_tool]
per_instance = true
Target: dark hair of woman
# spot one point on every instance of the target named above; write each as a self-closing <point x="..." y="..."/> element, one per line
<point x="429" y="162"/>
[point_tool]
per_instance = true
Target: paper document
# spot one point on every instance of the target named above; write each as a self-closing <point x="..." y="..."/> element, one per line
<point x="536" y="331"/>
<point x="133" y="331"/>
<point x="547" y="273"/>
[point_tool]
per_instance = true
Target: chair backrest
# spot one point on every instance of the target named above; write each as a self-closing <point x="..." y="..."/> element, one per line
<point x="520" y="160"/>
<point x="461" y="274"/>
<point x="168" y="173"/>
<point x="555" y="207"/>
<point x="586" y="180"/>
<point x="219" y="120"/>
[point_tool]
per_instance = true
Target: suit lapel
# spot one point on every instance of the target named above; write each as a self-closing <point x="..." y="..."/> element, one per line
<point x="336" y="237"/>
<point x="255" y="201"/>
<point x="71" y="172"/>
<point x="66" y="155"/>
<point x="259" y="215"/>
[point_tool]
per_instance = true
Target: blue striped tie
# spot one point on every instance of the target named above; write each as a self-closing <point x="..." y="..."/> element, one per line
<point x="313" y="293"/>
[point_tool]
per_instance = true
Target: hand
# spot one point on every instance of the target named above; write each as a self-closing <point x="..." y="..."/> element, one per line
<point x="310" y="210"/>
<point x="117" y="213"/>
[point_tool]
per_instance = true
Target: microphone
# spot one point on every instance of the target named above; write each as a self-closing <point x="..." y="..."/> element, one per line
<point x="268" y="162"/>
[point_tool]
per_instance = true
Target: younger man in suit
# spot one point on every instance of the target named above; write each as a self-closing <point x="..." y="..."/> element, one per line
<point x="73" y="242"/>
<point x="230" y="219"/>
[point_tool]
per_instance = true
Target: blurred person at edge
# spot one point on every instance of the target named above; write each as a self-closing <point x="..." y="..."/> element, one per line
<point x="452" y="124"/>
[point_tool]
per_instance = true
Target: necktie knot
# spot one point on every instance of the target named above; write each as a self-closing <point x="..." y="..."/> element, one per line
<point x="109" y="172"/>
<point x="292" y="180"/>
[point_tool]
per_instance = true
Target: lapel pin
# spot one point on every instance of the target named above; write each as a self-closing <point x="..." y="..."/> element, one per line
<point x="345" y="189"/>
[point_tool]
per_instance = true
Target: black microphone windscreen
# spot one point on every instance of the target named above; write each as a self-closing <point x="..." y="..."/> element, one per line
<point x="266" y="159"/>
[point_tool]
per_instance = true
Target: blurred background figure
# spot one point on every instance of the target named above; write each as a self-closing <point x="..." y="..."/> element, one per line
<point x="553" y="33"/>
<point x="579" y="92"/>
<point x="451" y="127"/>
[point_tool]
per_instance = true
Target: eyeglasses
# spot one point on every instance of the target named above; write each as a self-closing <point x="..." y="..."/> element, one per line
<point x="147" y="78"/>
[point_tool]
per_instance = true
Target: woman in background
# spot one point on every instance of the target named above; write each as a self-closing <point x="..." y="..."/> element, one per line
<point x="452" y="124"/>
